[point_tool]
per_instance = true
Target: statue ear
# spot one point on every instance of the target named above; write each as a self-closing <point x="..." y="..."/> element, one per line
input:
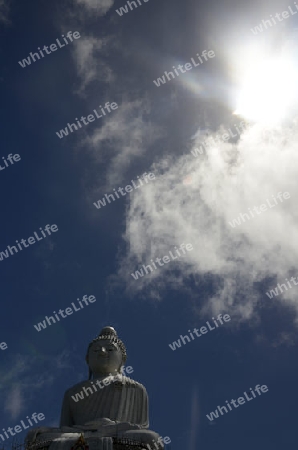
<point x="90" y="372"/>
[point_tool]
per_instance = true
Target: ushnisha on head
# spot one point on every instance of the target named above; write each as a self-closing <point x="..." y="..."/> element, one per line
<point x="106" y="354"/>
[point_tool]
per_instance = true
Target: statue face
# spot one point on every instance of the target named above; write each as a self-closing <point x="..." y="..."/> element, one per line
<point x="104" y="357"/>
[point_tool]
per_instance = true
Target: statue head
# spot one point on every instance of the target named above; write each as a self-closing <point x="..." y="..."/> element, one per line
<point x="106" y="354"/>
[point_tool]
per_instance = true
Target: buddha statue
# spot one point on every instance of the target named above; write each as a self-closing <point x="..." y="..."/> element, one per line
<point x="109" y="411"/>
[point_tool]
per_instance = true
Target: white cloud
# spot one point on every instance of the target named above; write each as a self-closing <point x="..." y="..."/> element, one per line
<point x="227" y="180"/>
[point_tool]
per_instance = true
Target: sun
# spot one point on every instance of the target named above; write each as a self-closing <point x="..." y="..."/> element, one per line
<point x="267" y="91"/>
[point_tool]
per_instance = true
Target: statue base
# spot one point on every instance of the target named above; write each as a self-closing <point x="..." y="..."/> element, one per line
<point x="80" y="442"/>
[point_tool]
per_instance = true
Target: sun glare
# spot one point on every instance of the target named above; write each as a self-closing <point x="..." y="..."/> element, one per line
<point x="268" y="91"/>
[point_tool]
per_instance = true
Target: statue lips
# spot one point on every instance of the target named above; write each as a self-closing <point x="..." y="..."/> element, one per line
<point x="103" y="359"/>
<point x="103" y="356"/>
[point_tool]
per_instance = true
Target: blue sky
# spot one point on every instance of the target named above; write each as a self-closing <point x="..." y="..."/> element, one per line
<point x="191" y="200"/>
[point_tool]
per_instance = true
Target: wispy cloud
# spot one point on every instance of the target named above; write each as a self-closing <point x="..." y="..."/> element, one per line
<point x="228" y="178"/>
<point x="4" y="11"/>
<point x="89" y="54"/>
<point x="283" y="338"/>
<point x="14" y="402"/>
<point x="26" y="376"/>
<point x="195" y="418"/>
<point x="125" y="137"/>
<point x="100" y="7"/>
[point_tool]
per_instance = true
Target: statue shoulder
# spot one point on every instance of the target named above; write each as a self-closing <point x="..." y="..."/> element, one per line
<point x="134" y="384"/>
<point x="76" y="387"/>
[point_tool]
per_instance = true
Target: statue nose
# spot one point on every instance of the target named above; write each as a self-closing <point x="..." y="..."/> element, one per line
<point x="103" y="350"/>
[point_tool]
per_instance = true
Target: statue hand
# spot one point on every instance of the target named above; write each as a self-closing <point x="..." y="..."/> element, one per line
<point x="113" y="427"/>
<point x="128" y="425"/>
<point x="96" y="424"/>
<point x="105" y="421"/>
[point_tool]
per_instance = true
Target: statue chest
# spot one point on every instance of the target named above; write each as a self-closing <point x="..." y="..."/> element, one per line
<point x="114" y="402"/>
